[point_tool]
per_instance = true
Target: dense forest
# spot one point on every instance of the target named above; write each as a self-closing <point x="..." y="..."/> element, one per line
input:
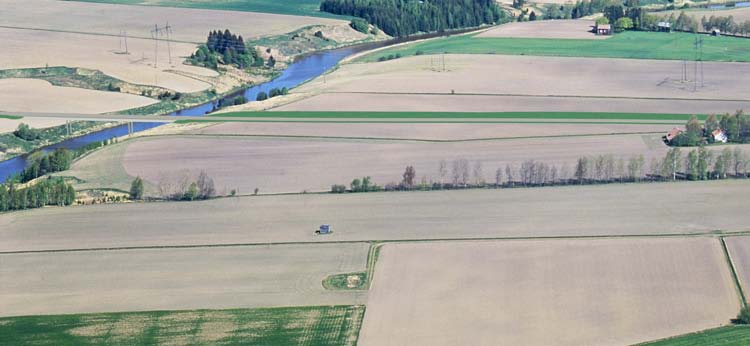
<point x="53" y="191"/>
<point x="406" y="17"/>
<point x="226" y="48"/>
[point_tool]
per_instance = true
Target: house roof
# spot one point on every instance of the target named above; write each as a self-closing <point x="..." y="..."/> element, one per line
<point x="717" y="132"/>
<point x="604" y="26"/>
<point x="673" y="133"/>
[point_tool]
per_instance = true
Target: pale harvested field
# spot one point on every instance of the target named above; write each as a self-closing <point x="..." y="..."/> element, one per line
<point x="9" y="125"/>
<point x="424" y="131"/>
<point x="740" y="14"/>
<point x="463" y="103"/>
<point x="176" y="279"/>
<point x="560" y="292"/>
<point x="30" y="48"/>
<point x="739" y="250"/>
<point x="295" y="165"/>
<point x="555" y="211"/>
<point x="577" y="29"/>
<point x="552" y="76"/>
<point x="190" y="25"/>
<point x="35" y="95"/>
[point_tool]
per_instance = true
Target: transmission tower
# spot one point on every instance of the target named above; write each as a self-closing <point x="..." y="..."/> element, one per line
<point x="155" y="36"/>
<point x="124" y="41"/>
<point x="698" y="60"/>
<point x="168" y="31"/>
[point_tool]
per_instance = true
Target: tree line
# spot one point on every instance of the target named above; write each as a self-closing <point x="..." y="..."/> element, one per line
<point x="406" y="17"/>
<point x="698" y="164"/>
<point x="226" y="48"/>
<point x="52" y="191"/>
<point x="736" y="127"/>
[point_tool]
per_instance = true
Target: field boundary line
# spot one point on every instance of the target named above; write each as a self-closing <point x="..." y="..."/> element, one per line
<point x="384" y="241"/>
<point x="534" y="95"/>
<point x="735" y="278"/>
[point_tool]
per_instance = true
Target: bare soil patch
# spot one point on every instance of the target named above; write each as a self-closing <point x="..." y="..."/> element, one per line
<point x="10" y="125"/>
<point x="188" y="24"/>
<point x="34" y="95"/>
<point x="552" y="76"/>
<point x="176" y="279"/>
<point x="739" y="14"/>
<point x="30" y="48"/>
<point x="563" y="292"/>
<point x="577" y="29"/>
<point x="296" y="165"/>
<point x="469" y="103"/>
<point x="739" y="250"/>
<point x="554" y="211"/>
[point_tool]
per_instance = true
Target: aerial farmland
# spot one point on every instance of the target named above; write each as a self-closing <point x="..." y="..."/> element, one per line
<point x="326" y="172"/>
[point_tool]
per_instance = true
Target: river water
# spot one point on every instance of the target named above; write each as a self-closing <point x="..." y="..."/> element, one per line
<point x="15" y="165"/>
<point x="304" y="68"/>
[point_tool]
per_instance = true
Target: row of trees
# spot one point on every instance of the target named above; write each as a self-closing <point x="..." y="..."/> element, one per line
<point x="53" y="191"/>
<point x="226" y="48"/>
<point x="698" y="164"/>
<point x="406" y="17"/>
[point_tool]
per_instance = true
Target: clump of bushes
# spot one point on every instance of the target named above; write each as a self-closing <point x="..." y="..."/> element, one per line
<point x="26" y="132"/>
<point x="272" y="93"/>
<point x="389" y="57"/>
<point x="360" y="25"/>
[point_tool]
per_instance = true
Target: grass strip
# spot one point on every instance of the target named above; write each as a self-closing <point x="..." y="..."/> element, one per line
<point x="307" y="325"/>
<point x="732" y="269"/>
<point x="722" y="336"/>
<point x="629" y="45"/>
<point x="11" y="117"/>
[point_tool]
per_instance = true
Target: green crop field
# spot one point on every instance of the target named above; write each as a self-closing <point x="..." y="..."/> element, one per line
<point x="631" y="44"/>
<point x="724" y="336"/>
<point x="291" y="7"/>
<point x="315" y="325"/>
<point x="460" y="115"/>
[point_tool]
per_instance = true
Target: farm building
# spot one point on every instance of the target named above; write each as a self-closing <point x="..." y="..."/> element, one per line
<point x="603" y="29"/>
<point x="664" y="26"/>
<point x="719" y="136"/>
<point x="673" y="133"/>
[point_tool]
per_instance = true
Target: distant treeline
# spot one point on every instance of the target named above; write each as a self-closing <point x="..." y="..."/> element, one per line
<point x="698" y="164"/>
<point x="53" y="191"/>
<point x="406" y="17"/>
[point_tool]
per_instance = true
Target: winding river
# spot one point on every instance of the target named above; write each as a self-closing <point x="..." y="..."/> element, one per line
<point x="303" y="69"/>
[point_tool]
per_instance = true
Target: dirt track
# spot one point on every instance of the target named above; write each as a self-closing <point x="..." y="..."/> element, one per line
<point x="561" y="292"/>
<point x="555" y="211"/>
<point x="176" y="279"/>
